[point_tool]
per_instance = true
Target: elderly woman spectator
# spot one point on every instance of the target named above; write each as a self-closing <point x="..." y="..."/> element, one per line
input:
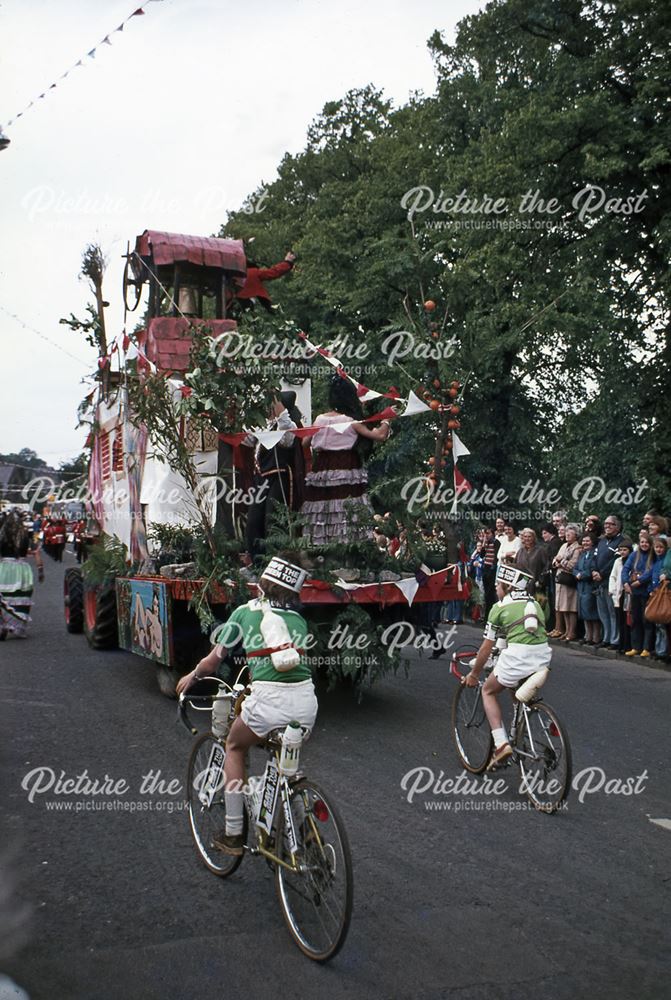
<point x="532" y="558"/>
<point x="566" y="594"/>
<point x="587" y="610"/>
<point x="559" y="521"/>
<point x="510" y="545"/>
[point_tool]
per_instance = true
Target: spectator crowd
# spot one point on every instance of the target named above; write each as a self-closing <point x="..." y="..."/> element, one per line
<point x="597" y="584"/>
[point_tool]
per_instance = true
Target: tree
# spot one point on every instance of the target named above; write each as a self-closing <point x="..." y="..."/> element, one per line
<point x="560" y="312"/>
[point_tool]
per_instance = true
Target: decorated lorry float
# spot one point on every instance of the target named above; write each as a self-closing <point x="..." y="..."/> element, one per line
<point x="134" y="488"/>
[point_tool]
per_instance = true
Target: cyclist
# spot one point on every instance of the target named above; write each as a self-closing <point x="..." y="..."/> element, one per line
<point x="517" y="620"/>
<point x="277" y="696"/>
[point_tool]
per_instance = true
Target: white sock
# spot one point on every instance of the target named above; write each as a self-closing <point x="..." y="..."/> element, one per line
<point x="499" y="735"/>
<point x="234" y="808"/>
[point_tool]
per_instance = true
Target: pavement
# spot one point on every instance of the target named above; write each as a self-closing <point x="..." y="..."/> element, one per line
<point x="464" y="896"/>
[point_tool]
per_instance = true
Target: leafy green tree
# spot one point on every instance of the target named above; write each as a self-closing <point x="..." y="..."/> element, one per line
<point x="560" y="312"/>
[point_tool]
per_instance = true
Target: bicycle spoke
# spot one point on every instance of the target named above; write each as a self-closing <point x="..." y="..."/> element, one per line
<point x="317" y="900"/>
<point x="544" y="756"/>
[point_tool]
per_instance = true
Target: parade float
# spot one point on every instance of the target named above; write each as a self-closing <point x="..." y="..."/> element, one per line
<point x="170" y="476"/>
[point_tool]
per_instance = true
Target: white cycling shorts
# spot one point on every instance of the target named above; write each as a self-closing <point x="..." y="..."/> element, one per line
<point x="274" y="703"/>
<point x="519" y="661"/>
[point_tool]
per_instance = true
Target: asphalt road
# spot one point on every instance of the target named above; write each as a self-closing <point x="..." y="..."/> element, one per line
<point x="470" y="903"/>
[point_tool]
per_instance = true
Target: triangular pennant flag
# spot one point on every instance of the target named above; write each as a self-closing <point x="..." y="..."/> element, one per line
<point x="136" y="13"/>
<point x="52" y="87"/>
<point x="458" y="447"/>
<point x="106" y="40"/>
<point x="269" y="439"/>
<point x="369" y="395"/>
<point x="408" y="588"/>
<point x="92" y="53"/>
<point x="341" y="428"/>
<point x="461" y="484"/>
<point x="120" y="28"/>
<point x="414" y="405"/>
<point x="80" y="63"/>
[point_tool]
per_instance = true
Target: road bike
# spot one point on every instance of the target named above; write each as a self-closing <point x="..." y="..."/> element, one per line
<point x="289" y="821"/>
<point x="539" y="741"/>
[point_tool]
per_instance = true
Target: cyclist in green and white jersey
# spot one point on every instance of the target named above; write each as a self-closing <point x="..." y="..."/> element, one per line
<point x="516" y="624"/>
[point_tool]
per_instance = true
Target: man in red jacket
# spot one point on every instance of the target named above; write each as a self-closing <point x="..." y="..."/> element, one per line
<point x="254" y="291"/>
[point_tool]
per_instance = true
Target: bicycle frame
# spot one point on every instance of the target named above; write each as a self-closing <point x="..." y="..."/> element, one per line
<point x="519" y="709"/>
<point x="213" y="781"/>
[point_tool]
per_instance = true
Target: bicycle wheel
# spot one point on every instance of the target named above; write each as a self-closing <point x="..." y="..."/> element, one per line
<point x="317" y="900"/>
<point x="207" y="807"/>
<point x="544" y="755"/>
<point x="472" y="735"/>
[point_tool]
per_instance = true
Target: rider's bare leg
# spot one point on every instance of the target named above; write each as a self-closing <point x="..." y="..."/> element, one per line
<point x="239" y="740"/>
<point x="490" y="690"/>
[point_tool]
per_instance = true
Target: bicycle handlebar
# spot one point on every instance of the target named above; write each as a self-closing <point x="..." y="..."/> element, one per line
<point x="225" y="692"/>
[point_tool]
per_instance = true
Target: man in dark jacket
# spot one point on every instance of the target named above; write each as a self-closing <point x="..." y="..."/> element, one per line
<point x="605" y="556"/>
<point x="279" y="470"/>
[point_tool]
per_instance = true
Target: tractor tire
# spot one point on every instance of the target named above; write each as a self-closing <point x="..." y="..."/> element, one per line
<point x="100" y="619"/>
<point x="73" y="600"/>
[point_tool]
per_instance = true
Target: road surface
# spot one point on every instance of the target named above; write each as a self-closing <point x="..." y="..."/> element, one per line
<point x="455" y="896"/>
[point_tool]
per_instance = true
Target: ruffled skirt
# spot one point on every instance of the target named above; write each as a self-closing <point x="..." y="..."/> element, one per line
<point x="336" y="482"/>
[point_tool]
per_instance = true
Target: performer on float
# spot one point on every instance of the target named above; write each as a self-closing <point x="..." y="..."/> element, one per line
<point x="16" y="577"/>
<point x="254" y="291"/>
<point x="338" y="476"/>
<point x="279" y="471"/>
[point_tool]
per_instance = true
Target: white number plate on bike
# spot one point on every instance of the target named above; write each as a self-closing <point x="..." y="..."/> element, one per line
<point x="211" y="781"/>
<point x="271" y="787"/>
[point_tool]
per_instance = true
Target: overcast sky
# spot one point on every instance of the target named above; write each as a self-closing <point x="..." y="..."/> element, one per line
<point x="189" y="110"/>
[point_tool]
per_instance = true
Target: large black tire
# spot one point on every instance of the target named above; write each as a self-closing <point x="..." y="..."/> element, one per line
<point x="73" y="600"/>
<point x="100" y="618"/>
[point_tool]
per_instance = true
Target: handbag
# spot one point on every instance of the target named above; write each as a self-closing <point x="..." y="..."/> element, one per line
<point x="658" y="607"/>
<point x="566" y="579"/>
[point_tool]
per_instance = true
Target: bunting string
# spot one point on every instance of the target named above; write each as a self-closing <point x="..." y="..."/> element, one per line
<point x="91" y="54"/>
<point x="43" y="336"/>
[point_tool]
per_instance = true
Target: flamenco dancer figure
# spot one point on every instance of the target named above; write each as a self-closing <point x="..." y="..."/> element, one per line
<point x="338" y="475"/>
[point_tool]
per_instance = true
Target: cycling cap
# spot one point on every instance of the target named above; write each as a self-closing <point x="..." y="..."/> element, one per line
<point x="513" y="576"/>
<point x="285" y="574"/>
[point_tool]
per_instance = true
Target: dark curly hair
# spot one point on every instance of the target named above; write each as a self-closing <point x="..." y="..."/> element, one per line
<point x="343" y="397"/>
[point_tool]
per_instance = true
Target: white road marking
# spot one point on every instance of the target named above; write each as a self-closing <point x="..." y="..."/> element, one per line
<point x="664" y="823"/>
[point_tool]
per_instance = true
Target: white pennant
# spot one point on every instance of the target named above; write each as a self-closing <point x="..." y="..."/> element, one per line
<point x="414" y="405"/>
<point x="269" y="439"/>
<point x="458" y="447"/>
<point x="408" y="588"/>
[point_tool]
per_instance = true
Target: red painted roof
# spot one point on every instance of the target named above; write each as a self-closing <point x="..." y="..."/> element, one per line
<point x="209" y="251"/>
